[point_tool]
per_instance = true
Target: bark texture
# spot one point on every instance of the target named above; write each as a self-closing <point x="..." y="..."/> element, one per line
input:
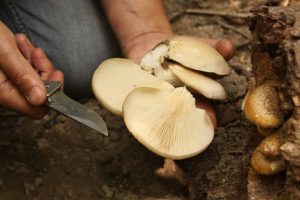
<point x="276" y="61"/>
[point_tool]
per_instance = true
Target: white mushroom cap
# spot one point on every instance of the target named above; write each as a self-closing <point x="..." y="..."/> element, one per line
<point x="195" y="54"/>
<point x="116" y="77"/>
<point x="190" y="52"/>
<point x="204" y="85"/>
<point x="167" y="122"/>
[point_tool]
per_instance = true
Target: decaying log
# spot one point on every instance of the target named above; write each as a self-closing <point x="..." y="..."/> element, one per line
<point x="276" y="62"/>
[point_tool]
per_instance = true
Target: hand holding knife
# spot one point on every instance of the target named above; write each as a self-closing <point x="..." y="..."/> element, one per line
<point x="58" y="101"/>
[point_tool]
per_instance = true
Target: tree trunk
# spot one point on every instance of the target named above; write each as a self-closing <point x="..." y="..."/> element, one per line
<point x="276" y="61"/>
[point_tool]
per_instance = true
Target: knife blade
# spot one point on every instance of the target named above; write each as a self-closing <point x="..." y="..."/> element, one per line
<point x="63" y="104"/>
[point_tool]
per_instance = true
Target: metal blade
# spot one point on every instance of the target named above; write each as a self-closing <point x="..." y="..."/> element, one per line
<point x="62" y="103"/>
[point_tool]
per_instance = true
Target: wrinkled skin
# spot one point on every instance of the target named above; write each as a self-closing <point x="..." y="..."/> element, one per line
<point x="23" y="67"/>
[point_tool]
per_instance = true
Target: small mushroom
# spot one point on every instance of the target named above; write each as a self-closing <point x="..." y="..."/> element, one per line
<point x="270" y="146"/>
<point x="204" y="85"/>
<point x="167" y="122"/>
<point x="261" y="107"/>
<point x="171" y="170"/>
<point x="116" y="77"/>
<point x="267" y="159"/>
<point x="189" y="52"/>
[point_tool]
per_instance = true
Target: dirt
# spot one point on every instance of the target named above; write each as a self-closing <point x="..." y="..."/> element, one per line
<point x="57" y="158"/>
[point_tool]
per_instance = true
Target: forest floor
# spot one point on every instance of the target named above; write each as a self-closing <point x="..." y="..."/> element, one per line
<point x="57" y="158"/>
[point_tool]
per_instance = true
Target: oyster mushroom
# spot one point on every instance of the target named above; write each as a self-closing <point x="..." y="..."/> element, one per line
<point x="167" y="122"/>
<point x="188" y="51"/>
<point x="204" y="85"/>
<point x="116" y="77"/>
<point x="195" y="54"/>
<point x="261" y="107"/>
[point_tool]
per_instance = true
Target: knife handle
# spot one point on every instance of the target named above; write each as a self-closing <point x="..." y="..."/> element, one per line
<point x="51" y="87"/>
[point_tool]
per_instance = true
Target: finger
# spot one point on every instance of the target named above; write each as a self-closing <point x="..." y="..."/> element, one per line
<point x="24" y="77"/>
<point x="24" y="45"/>
<point x="12" y="99"/>
<point x="41" y="62"/>
<point x="18" y="70"/>
<point x="224" y="46"/>
<point x="203" y="103"/>
<point x="57" y="76"/>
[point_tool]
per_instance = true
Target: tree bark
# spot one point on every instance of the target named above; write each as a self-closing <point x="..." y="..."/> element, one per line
<point x="276" y="61"/>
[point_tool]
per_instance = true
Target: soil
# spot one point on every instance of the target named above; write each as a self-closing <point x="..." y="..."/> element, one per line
<point x="57" y="158"/>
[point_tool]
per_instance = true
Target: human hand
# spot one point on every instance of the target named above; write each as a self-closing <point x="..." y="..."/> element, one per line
<point x="143" y="44"/>
<point x="23" y="68"/>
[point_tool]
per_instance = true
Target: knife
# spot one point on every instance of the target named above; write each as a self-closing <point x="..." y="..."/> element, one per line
<point x="58" y="101"/>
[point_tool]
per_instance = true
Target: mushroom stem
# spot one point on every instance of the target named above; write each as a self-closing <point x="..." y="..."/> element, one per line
<point x="170" y="170"/>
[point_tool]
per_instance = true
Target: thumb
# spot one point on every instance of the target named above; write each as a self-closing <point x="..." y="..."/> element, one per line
<point x="18" y="70"/>
<point x="24" y="78"/>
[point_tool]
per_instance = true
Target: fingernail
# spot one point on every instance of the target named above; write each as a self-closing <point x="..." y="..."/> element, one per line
<point x="35" y="96"/>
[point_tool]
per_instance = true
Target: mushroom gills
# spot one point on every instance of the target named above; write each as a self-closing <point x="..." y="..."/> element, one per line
<point x="116" y="77"/>
<point x="167" y="122"/>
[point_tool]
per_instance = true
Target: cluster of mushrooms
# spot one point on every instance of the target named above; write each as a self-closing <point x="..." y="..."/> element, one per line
<point x="154" y="97"/>
<point x="261" y="107"/>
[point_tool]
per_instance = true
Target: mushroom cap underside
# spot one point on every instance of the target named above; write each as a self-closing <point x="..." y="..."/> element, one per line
<point x="167" y="122"/>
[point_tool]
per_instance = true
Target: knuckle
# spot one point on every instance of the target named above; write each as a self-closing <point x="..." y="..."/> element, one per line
<point x="5" y="84"/>
<point x="6" y="90"/>
<point x="21" y="77"/>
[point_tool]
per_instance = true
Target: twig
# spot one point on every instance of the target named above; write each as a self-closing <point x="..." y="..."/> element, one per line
<point x="95" y="176"/>
<point x="227" y="26"/>
<point x="242" y="45"/>
<point x="10" y="114"/>
<point x="3" y="143"/>
<point x="217" y="13"/>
